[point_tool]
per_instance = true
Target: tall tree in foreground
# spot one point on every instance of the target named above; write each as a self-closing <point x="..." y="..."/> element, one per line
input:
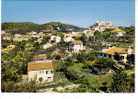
<point x="121" y="83"/>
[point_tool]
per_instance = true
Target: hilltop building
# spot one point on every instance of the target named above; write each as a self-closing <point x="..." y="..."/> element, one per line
<point x="101" y="26"/>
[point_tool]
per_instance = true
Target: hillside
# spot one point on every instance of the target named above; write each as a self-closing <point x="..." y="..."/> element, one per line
<point x="62" y="27"/>
<point x="22" y="27"/>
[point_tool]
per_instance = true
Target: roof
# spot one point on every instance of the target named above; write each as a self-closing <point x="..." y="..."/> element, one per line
<point x="9" y="48"/>
<point x="77" y="42"/>
<point x="40" y="65"/>
<point x="40" y="56"/>
<point x="40" y="52"/>
<point x="114" y="50"/>
<point x="117" y="30"/>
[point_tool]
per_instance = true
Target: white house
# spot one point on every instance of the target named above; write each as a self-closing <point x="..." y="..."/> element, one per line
<point x="9" y="48"/>
<point x="47" y="45"/>
<point x="41" y="71"/>
<point x="78" y="46"/>
<point x="68" y="39"/>
<point x="130" y="50"/>
<point x="3" y="32"/>
<point x="55" y="39"/>
<point x="19" y="37"/>
<point x="6" y="36"/>
<point x="119" y="32"/>
<point x="34" y="34"/>
<point x="88" y="32"/>
<point x="58" y="39"/>
<point x="75" y="33"/>
<point x="123" y="52"/>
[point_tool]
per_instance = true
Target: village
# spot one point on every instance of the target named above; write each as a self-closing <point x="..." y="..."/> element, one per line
<point x="48" y="57"/>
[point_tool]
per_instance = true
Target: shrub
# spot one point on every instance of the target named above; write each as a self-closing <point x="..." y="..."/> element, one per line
<point x="11" y="86"/>
<point x="101" y="65"/>
<point x="121" y="83"/>
<point x="74" y="72"/>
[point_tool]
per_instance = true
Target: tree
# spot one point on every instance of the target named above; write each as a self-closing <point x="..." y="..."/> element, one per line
<point x="10" y="72"/>
<point x="120" y="82"/>
<point x="11" y="86"/>
<point x="131" y="59"/>
<point x="74" y="72"/>
<point x="102" y="65"/>
<point x="84" y="39"/>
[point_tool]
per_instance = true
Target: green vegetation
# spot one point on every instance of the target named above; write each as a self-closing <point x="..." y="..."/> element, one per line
<point x="86" y="69"/>
<point x="122" y="83"/>
<point x="20" y="87"/>
<point x="24" y="27"/>
<point x="20" y="27"/>
<point x="81" y="72"/>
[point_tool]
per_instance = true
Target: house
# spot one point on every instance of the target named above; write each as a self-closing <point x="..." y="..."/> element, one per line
<point x="6" y="36"/>
<point x="122" y="52"/>
<point x="55" y="39"/>
<point x="19" y="37"/>
<point x="41" y="34"/>
<point x="68" y="38"/>
<point x="47" y="45"/>
<point x="78" y="46"/>
<point x="58" y="39"/>
<point x="34" y="34"/>
<point x="3" y="33"/>
<point x="39" y="57"/>
<point x="88" y="32"/>
<point x="41" y="71"/>
<point x="9" y="48"/>
<point x="119" y="32"/>
<point x="75" y="33"/>
<point x="113" y="50"/>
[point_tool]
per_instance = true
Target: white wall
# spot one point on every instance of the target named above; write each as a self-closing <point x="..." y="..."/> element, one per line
<point x="35" y="75"/>
<point x="78" y="47"/>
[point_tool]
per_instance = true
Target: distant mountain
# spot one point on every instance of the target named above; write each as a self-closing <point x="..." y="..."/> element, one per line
<point x="22" y="27"/>
<point x="63" y="27"/>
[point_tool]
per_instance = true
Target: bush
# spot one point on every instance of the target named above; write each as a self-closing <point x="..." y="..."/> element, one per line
<point x="74" y="72"/>
<point x="11" y="86"/>
<point x="121" y="83"/>
<point x="102" y="65"/>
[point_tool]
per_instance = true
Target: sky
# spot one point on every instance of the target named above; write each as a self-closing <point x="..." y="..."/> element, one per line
<point x="76" y="12"/>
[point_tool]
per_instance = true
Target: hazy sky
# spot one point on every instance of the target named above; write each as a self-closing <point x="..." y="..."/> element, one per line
<point x="77" y="12"/>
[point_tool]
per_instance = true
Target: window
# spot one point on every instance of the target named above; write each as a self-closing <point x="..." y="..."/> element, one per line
<point x="51" y="71"/>
<point x="41" y="71"/>
<point x="46" y="72"/>
<point x="40" y="79"/>
<point x="49" y="77"/>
